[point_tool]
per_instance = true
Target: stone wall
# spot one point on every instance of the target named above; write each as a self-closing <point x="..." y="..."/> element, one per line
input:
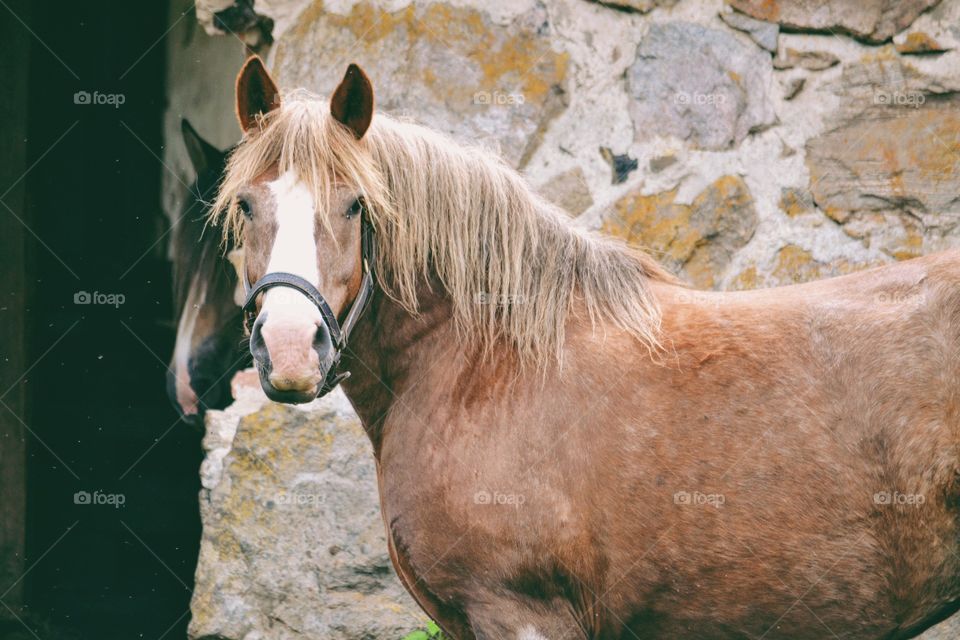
<point x="293" y="543"/>
<point x="746" y="143"/>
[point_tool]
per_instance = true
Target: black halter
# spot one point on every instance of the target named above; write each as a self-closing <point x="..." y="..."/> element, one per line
<point x="339" y="334"/>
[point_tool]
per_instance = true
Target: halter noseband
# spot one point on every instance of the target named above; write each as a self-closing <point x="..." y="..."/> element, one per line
<point x="339" y="334"/>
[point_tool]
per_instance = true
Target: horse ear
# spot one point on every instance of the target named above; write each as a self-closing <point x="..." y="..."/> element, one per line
<point x="257" y="93"/>
<point x="352" y="102"/>
<point x="203" y="155"/>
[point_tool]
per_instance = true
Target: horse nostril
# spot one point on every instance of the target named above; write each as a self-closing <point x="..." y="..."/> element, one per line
<point x="258" y="348"/>
<point x="321" y="340"/>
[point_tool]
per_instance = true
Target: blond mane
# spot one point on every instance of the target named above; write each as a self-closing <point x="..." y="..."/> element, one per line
<point x="511" y="263"/>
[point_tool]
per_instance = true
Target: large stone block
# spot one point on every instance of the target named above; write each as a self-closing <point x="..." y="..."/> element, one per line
<point x="452" y="68"/>
<point x="696" y="240"/>
<point x="701" y="85"/>
<point x="870" y="20"/>
<point x="888" y="168"/>
<point x="293" y="542"/>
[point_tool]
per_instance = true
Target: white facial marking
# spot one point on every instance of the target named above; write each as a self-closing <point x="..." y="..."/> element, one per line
<point x="186" y="397"/>
<point x="294" y="248"/>
<point x="530" y="633"/>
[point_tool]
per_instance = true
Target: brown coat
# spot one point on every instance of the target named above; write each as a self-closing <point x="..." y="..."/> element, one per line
<point x="787" y="471"/>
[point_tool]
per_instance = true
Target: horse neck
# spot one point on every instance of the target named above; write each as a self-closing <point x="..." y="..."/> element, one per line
<point x="390" y="350"/>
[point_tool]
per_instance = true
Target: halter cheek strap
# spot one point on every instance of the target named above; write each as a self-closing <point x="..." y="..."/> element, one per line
<point x="339" y="334"/>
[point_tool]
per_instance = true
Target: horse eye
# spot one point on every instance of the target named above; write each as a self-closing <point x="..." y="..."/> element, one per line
<point x="356" y="208"/>
<point x="245" y="208"/>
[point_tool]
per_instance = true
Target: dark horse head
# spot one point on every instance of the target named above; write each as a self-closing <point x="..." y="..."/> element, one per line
<point x="208" y="349"/>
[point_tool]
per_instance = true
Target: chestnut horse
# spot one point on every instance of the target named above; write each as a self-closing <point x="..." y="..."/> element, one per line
<point x="569" y="443"/>
<point x="207" y="351"/>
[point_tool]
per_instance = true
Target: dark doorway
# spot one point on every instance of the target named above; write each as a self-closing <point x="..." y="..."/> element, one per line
<point x="112" y="528"/>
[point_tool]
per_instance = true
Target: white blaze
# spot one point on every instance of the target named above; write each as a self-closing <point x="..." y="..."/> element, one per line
<point x="294" y="248"/>
<point x="196" y="297"/>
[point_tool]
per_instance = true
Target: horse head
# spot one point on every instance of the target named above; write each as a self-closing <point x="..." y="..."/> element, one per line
<point x="306" y="237"/>
<point x="207" y="351"/>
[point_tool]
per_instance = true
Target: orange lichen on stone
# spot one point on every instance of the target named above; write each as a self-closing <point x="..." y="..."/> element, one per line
<point x="885" y="53"/>
<point x="793" y="203"/>
<point x="746" y="279"/>
<point x="836" y="214"/>
<point x="768" y="10"/>
<point x="698" y="239"/>
<point x="795" y="264"/>
<point x="652" y="221"/>
<point x="910" y="247"/>
<point x="919" y="42"/>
